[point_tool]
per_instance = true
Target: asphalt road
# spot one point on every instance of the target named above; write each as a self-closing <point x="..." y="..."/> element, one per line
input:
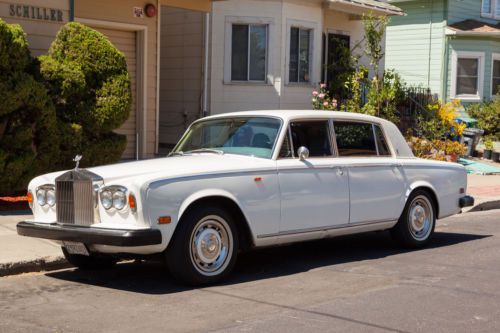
<point x="350" y="284"/>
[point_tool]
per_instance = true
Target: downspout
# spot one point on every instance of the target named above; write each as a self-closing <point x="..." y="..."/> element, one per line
<point x="445" y="59"/>
<point x="205" y="66"/>
<point x="71" y="10"/>
<point x="430" y="47"/>
<point x="158" y="64"/>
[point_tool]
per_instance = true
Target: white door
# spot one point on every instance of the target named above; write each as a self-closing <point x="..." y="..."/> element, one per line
<point x="376" y="181"/>
<point x="314" y="192"/>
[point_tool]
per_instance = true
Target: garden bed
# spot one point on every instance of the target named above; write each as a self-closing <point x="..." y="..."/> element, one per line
<point x="14" y="203"/>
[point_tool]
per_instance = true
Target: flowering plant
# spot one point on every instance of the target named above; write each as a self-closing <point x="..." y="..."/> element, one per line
<point x="321" y="99"/>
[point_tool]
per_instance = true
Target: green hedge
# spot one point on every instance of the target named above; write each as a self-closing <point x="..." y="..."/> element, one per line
<point x="29" y="140"/>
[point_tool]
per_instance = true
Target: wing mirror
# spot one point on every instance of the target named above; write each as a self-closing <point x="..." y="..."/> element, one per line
<point x="303" y="153"/>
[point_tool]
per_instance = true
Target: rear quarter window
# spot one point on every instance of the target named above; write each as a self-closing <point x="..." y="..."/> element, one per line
<point x="355" y="139"/>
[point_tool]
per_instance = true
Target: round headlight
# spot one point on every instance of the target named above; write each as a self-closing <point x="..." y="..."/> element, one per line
<point x="119" y="200"/>
<point x="50" y="197"/>
<point x="40" y="197"/>
<point x="107" y="199"/>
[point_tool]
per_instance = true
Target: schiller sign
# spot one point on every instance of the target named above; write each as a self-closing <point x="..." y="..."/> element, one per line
<point x="36" y="13"/>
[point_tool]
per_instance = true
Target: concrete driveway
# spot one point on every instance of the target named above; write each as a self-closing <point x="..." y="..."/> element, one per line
<point x="350" y="284"/>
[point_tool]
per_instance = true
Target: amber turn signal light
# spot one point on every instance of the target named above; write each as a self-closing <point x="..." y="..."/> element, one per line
<point x="132" y="203"/>
<point x="29" y="196"/>
<point x="164" y="220"/>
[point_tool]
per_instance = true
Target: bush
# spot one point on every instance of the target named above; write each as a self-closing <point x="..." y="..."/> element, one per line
<point x="29" y="140"/>
<point x="488" y="117"/>
<point x="88" y="79"/>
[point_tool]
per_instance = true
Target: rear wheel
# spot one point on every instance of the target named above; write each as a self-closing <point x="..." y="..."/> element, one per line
<point x="204" y="247"/>
<point x="89" y="262"/>
<point x="417" y="222"/>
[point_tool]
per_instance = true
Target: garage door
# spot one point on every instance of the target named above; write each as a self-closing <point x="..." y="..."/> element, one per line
<point x="125" y="41"/>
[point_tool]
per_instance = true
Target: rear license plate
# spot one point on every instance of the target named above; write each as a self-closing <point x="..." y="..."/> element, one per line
<point x="76" y="248"/>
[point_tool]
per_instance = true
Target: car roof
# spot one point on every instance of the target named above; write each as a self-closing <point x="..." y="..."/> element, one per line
<point x="300" y="114"/>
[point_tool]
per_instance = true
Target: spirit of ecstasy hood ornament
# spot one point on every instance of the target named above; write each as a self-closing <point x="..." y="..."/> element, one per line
<point x="77" y="160"/>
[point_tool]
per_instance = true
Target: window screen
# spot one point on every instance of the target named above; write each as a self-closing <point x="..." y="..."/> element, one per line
<point x="467" y="76"/>
<point x="355" y="139"/>
<point x="248" y="52"/>
<point x="314" y="135"/>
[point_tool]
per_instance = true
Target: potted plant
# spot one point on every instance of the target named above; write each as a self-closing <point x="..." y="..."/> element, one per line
<point x="488" y="144"/>
<point x="454" y="150"/>
<point x="495" y="156"/>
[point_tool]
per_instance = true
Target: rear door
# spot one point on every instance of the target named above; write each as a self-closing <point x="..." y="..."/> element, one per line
<point x="376" y="180"/>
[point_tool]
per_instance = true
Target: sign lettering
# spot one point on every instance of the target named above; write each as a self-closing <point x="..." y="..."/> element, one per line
<point x="36" y="13"/>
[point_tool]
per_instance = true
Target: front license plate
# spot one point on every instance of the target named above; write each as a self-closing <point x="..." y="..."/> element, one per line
<point x="76" y="248"/>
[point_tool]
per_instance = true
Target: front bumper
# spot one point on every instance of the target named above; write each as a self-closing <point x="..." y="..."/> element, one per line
<point x="89" y="235"/>
<point x="466" y="201"/>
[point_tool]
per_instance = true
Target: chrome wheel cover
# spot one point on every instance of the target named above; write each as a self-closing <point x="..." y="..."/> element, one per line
<point x="420" y="218"/>
<point x="211" y="245"/>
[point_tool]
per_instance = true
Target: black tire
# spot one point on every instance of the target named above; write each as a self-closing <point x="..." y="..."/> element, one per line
<point x="219" y="229"/>
<point x="92" y="262"/>
<point x="406" y="232"/>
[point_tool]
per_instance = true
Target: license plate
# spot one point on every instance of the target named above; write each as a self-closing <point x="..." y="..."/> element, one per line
<point x="76" y="248"/>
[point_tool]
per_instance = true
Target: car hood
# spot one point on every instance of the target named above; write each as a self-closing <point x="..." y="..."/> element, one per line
<point x="147" y="171"/>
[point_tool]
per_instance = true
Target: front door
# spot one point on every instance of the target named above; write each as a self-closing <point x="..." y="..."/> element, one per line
<point x="314" y="192"/>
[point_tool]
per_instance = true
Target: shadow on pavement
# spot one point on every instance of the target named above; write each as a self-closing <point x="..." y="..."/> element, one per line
<point x="153" y="277"/>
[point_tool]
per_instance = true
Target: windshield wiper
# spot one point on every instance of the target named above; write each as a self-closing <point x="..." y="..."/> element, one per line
<point x="207" y="150"/>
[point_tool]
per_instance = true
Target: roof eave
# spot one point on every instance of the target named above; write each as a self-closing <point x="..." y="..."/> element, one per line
<point x="453" y="32"/>
<point x="375" y="9"/>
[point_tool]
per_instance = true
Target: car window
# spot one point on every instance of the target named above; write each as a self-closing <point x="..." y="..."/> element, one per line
<point x="355" y="139"/>
<point x="254" y="136"/>
<point x="314" y="135"/>
<point x="286" y="147"/>
<point x="383" y="148"/>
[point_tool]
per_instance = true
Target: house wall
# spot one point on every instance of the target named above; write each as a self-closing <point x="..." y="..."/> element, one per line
<point x="276" y="94"/>
<point x="346" y="24"/>
<point x="181" y="71"/>
<point x="460" y="10"/>
<point x="415" y="43"/>
<point x="475" y="44"/>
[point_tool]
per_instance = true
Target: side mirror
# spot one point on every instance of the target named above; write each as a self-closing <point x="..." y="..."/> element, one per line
<point x="303" y="153"/>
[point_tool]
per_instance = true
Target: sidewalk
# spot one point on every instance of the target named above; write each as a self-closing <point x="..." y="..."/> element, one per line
<point x="25" y="254"/>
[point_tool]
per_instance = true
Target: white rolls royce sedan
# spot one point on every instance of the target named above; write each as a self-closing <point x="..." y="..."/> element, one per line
<point x="244" y="180"/>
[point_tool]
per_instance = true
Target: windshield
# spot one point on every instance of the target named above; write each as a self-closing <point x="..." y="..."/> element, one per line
<point x="253" y="136"/>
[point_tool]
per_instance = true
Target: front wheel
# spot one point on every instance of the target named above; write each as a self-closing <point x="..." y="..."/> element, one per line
<point x="417" y="222"/>
<point x="204" y="247"/>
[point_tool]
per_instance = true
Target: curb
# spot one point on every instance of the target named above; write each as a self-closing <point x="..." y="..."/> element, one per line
<point x="488" y="205"/>
<point x="38" y="265"/>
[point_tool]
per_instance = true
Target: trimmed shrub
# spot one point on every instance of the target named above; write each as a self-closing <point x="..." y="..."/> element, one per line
<point x="29" y="141"/>
<point x="88" y="79"/>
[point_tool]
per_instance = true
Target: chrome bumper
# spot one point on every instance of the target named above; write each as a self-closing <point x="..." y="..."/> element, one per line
<point x="89" y="235"/>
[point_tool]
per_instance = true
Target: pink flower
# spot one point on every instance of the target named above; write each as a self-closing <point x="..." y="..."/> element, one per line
<point x="334" y="103"/>
<point x="315" y="93"/>
<point x="322" y="85"/>
<point x="321" y="95"/>
<point x="325" y="103"/>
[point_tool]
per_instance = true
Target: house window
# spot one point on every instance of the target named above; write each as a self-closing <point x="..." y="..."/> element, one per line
<point x="495" y="79"/>
<point x="490" y="8"/>
<point x="249" y="52"/>
<point x="300" y="54"/>
<point x="467" y="75"/>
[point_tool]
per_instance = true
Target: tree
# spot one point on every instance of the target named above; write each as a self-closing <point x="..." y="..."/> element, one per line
<point x="29" y="140"/>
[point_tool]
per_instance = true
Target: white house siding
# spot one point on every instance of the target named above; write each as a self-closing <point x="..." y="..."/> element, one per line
<point x="40" y="33"/>
<point x="227" y="97"/>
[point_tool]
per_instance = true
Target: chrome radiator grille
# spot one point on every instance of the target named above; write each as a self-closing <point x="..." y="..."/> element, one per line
<point x="75" y="198"/>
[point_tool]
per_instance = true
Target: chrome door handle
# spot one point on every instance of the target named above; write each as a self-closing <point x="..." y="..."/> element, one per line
<point x="340" y="171"/>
